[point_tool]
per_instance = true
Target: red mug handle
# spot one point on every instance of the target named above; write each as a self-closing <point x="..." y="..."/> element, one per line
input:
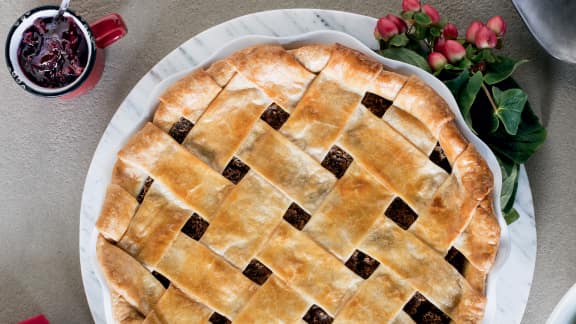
<point x="108" y="30"/>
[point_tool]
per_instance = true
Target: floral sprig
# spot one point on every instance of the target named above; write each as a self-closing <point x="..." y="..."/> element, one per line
<point x="492" y="103"/>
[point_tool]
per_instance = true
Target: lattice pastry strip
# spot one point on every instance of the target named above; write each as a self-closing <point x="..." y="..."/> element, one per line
<point x="387" y="85"/>
<point x="187" y="98"/>
<point x="307" y="267"/>
<point x="313" y="57"/>
<point x="402" y="318"/>
<point x="117" y="212"/>
<point x="479" y="241"/>
<point x="421" y="101"/>
<point x="404" y="254"/>
<point x="121" y="200"/>
<point x="179" y="171"/>
<point x="123" y="312"/>
<point x="176" y="308"/>
<point x="319" y="117"/>
<point x="245" y="220"/>
<point x="348" y="212"/>
<point x="274" y="302"/>
<point x="411" y="128"/>
<point x="155" y="225"/>
<point x="205" y="276"/>
<point x="454" y="202"/>
<point x="128" y="178"/>
<point x="275" y="72"/>
<point x="414" y="177"/>
<point x="286" y="166"/>
<point x="226" y="122"/>
<point x="128" y="278"/>
<point x="378" y="300"/>
<point x="327" y="105"/>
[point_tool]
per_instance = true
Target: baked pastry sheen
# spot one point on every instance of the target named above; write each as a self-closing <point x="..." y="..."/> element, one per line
<point x="302" y="185"/>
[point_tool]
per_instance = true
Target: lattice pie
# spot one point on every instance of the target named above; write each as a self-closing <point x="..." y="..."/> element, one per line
<point x="303" y="185"/>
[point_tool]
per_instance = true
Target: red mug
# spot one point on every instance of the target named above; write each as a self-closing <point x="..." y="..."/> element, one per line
<point x="98" y="35"/>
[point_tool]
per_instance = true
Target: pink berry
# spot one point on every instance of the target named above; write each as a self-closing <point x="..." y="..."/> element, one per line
<point x="399" y="22"/>
<point x="450" y="31"/>
<point x="454" y="51"/>
<point x="437" y="60"/>
<point x="385" y="28"/>
<point x="432" y="13"/>
<point x="440" y="45"/>
<point x="497" y="25"/>
<point x="486" y="38"/>
<point x="472" y="29"/>
<point x="410" y="5"/>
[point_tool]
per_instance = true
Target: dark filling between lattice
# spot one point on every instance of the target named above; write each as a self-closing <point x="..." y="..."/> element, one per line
<point x="275" y="116"/>
<point x="376" y="104"/>
<point x="424" y="312"/>
<point x="257" y="272"/>
<point x="147" y="183"/>
<point x="362" y="264"/>
<point x="337" y="161"/>
<point x="180" y="129"/>
<point x="195" y="227"/>
<point x="296" y="216"/>
<point x="401" y="213"/>
<point x="217" y="318"/>
<point x="317" y="315"/>
<point x="456" y="259"/>
<point x="235" y="170"/>
<point x="163" y="280"/>
<point x="438" y="156"/>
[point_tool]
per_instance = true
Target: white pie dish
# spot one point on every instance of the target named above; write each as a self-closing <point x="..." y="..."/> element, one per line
<point x="146" y="109"/>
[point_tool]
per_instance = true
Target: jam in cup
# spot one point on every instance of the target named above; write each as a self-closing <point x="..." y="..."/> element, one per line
<point x="61" y="57"/>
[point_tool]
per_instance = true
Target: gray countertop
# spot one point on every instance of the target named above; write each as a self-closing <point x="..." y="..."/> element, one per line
<point x="46" y="147"/>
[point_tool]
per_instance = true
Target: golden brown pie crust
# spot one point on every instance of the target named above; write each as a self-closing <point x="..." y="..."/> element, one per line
<point x="337" y="212"/>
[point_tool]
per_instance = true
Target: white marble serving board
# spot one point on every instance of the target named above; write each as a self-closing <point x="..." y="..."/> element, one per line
<point x="515" y="276"/>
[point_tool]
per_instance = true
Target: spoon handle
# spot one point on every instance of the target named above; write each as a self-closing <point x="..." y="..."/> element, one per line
<point x="63" y="7"/>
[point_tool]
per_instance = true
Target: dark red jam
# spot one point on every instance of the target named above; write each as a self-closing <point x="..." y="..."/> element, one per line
<point x="53" y="52"/>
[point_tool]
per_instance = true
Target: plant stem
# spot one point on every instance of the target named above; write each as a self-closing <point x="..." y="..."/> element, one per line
<point x="487" y="92"/>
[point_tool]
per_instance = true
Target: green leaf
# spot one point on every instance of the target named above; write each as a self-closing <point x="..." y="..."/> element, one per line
<point x="511" y="216"/>
<point x="407" y="14"/>
<point x="510" y="104"/>
<point x="451" y="67"/>
<point x="494" y="123"/>
<point x="456" y="84"/>
<point x="529" y="138"/>
<point x="399" y="40"/>
<point x="443" y="22"/>
<point x="436" y="31"/>
<point x="470" y="50"/>
<point x="510" y="172"/>
<point x="487" y="55"/>
<point x="407" y="56"/>
<point x="467" y="96"/>
<point x="462" y="65"/>
<point x="465" y="63"/>
<point x="501" y="69"/>
<point x="465" y="88"/>
<point x="420" y="32"/>
<point x="422" y="19"/>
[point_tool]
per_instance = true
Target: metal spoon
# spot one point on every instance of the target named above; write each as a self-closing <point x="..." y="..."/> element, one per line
<point x="63" y="7"/>
<point x="53" y="26"/>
